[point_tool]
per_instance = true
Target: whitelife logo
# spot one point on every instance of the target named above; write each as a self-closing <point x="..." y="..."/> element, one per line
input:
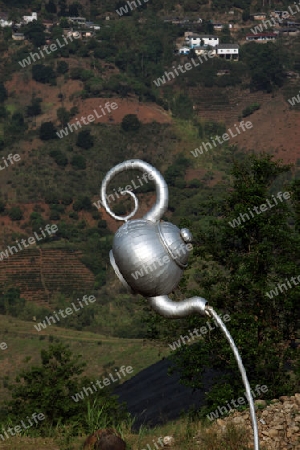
<point x="124" y="9"/>
<point x="68" y="311"/>
<point x="294" y="100"/>
<point x="88" y="390"/>
<point x="31" y="240"/>
<point x="90" y="118"/>
<point x="271" y="23"/>
<point x="225" y="137"/>
<point x="275" y="292"/>
<point x="27" y="61"/>
<point x="263" y="207"/>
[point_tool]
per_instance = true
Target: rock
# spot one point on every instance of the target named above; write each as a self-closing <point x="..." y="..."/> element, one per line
<point x="168" y="441"/>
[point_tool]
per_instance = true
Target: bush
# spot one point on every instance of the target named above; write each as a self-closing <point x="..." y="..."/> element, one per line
<point x="59" y="157"/>
<point x="85" y="140"/>
<point x="78" y="162"/>
<point x="15" y="213"/>
<point x="130" y="122"/>
<point x="43" y="74"/>
<point x="62" y="67"/>
<point x="47" y="131"/>
<point x="250" y="109"/>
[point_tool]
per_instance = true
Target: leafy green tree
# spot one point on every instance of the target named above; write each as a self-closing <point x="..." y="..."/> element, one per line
<point x="62" y="67"/>
<point x="266" y="65"/>
<point x="59" y="157"/>
<point x="130" y="122"/>
<point x="11" y="303"/>
<point x="34" y="109"/>
<point x="47" y="131"/>
<point x="83" y="202"/>
<point x="43" y="74"/>
<point x="63" y="116"/>
<point x="182" y="107"/>
<point x="85" y="139"/>
<point x="34" y="31"/>
<point x="237" y="264"/>
<point x="51" y="7"/>
<point x="15" y="213"/>
<point x="36" y="221"/>
<point x="48" y="388"/>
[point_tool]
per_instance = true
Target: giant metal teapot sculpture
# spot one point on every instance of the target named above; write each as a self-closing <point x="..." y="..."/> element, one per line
<point x="140" y="244"/>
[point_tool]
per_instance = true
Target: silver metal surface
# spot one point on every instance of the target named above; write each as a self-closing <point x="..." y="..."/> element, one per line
<point x="161" y="205"/>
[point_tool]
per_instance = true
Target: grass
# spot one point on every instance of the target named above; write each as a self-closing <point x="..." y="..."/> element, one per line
<point x="97" y="350"/>
<point x="187" y="436"/>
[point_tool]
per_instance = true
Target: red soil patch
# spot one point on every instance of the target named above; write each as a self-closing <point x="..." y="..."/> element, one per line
<point x="276" y="130"/>
<point x="23" y="90"/>
<point x="146" y="112"/>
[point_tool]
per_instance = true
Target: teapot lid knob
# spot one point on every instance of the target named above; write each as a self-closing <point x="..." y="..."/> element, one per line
<point x="186" y="235"/>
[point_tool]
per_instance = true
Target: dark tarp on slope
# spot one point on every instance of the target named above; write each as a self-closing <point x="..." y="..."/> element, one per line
<point x="154" y="397"/>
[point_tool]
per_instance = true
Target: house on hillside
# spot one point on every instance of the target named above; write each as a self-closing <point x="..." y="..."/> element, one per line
<point x="261" y="37"/>
<point x="184" y="51"/>
<point x="259" y="16"/>
<point x="205" y="39"/>
<point x="228" y="51"/>
<point x="28" y="19"/>
<point x="5" y="23"/>
<point x="77" y="20"/>
<point x="18" y="36"/>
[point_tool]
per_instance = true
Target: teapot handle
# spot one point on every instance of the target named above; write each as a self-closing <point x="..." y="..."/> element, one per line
<point x="161" y="205"/>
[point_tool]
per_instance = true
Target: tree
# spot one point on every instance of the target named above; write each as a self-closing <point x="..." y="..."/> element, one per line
<point x="34" y="109"/>
<point x="51" y="7"/>
<point x="78" y="162"/>
<point x="11" y="303"/>
<point x="3" y="93"/>
<point x="130" y="122"/>
<point x="48" y="388"/>
<point x="43" y="74"/>
<point x="15" y="213"/>
<point x="47" y="131"/>
<point x="34" y="31"/>
<point x="63" y="116"/>
<point x="62" y="67"/>
<point x="237" y="264"/>
<point x="84" y="139"/>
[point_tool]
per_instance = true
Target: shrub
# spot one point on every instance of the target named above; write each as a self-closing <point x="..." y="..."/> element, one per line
<point x="85" y="140"/>
<point x="130" y="122"/>
<point x="250" y="109"/>
<point x="47" y="131"/>
<point x="15" y="213"/>
<point x="78" y="162"/>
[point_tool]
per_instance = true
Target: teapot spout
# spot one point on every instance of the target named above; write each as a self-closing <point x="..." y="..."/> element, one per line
<point x="164" y="306"/>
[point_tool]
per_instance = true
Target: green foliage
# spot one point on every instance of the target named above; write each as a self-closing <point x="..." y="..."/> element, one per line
<point x="48" y="389"/>
<point x="130" y="122"/>
<point x="34" y="109"/>
<point x="63" y="116"/>
<point x="47" y="131"/>
<point x="266" y="65"/>
<point x="3" y="93"/>
<point x="78" y="162"/>
<point x="59" y="157"/>
<point x="11" y="303"/>
<point x="15" y="213"/>
<point x="85" y="139"/>
<point x="34" y="31"/>
<point x="43" y="74"/>
<point x="83" y="202"/>
<point x="62" y="67"/>
<point x="182" y="107"/>
<point x="235" y="267"/>
<point x="250" y="109"/>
